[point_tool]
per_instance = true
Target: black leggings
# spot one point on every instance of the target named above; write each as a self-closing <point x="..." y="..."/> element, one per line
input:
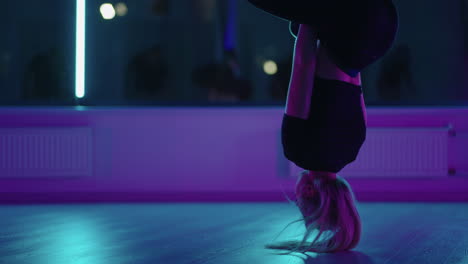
<point x="334" y="132"/>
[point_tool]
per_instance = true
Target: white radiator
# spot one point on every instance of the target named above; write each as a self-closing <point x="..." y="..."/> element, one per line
<point x="399" y="152"/>
<point x="45" y="152"/>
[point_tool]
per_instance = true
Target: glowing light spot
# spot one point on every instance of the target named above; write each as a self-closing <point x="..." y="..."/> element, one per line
<point x="107" y="11"/>
<point x="270" y="67"/>
<point x="121" y="9"/>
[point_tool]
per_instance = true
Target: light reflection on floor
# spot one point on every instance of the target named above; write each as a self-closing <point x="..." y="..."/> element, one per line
<point x="222" y="233"/>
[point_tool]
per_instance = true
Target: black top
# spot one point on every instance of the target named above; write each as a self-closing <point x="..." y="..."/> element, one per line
<point x="334" y="132"/>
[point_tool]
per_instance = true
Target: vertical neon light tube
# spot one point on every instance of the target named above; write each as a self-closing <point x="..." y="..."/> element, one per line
<point x="80" y="48"/>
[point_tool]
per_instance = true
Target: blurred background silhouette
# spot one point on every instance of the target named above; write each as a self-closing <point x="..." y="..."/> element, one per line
<point x="160" y="52"/>
<point x="395" y="76"/>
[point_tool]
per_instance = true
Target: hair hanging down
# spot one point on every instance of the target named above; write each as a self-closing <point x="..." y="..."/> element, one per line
<point x="328" y="209"/>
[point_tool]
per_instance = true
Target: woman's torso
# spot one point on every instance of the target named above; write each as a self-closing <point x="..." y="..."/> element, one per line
<point x="326" y="69"/>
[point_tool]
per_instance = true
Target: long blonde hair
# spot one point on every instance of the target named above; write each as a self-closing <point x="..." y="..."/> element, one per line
<point x="328" y="207"/>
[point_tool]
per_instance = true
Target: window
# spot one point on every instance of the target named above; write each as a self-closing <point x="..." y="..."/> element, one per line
<point x="37" y="52"/>
<point x="185" y="52"/>
<point x="210" y="52"/>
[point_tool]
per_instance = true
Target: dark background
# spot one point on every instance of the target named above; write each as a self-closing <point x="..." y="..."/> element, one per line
<point x="211" y="52"/>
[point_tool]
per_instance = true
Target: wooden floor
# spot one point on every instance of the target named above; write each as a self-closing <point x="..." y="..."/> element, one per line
<point x="222" y="233"/>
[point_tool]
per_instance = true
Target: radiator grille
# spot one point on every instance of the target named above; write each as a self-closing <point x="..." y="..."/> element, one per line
<point x="45" y="152"/>
<point x="399" y="152"/>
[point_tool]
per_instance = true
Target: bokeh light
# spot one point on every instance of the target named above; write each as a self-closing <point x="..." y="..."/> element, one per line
<point x="270" y="67"/>
<point x="107" y="11"/>
<point x="121" y="9"/>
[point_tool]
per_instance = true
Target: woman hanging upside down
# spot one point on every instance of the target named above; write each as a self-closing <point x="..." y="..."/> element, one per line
<point x="324" y="126"/>
<point x="325" y="120"/>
